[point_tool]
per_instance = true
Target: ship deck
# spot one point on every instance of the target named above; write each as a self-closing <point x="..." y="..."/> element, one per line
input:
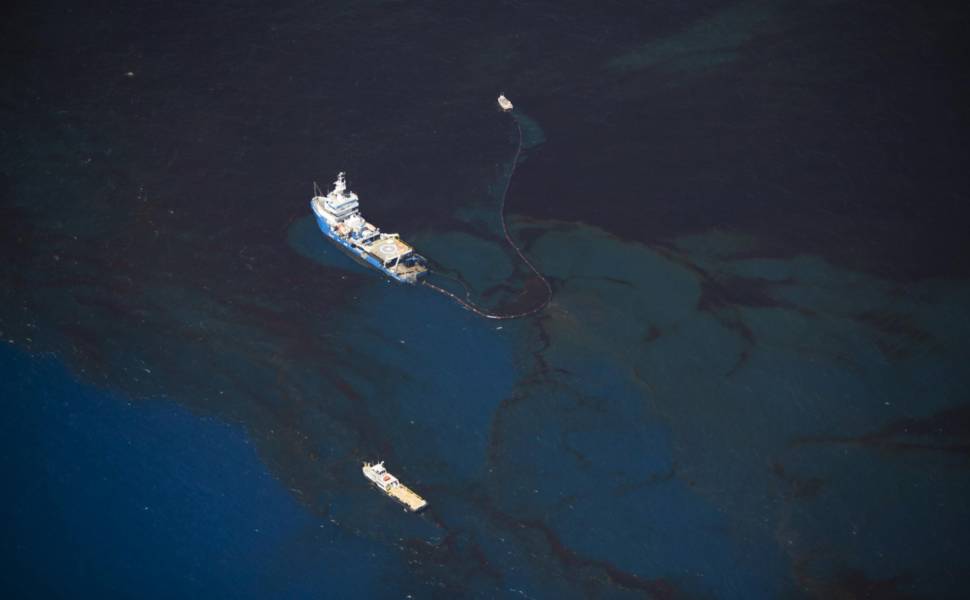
<point x="407" y="271"/>
<point x="388" y="249"/>
<point x="406" y="496"/>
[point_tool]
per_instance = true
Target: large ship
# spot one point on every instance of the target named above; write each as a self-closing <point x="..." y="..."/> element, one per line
<point x="339" y="218"/>
<point x="390" y="485"/>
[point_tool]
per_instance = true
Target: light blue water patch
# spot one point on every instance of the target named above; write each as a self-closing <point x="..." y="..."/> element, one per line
<point x="109" y="498"/>
<point x="532" y="133"/>
<point x="305" y="237"/>
<point x="733" y="402"/>
<point x="605" y="473"/>
<point x="712" y="41"/>
<point x="456" y="367"/>
<point x="481" y="262"/>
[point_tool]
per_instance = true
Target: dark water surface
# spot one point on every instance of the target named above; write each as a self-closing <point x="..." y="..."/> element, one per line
<point x="750" y="382"/>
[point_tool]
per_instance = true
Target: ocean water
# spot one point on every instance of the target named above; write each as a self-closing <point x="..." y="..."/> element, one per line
<point x="750" y="381"/>
<point x="114" y="498"/>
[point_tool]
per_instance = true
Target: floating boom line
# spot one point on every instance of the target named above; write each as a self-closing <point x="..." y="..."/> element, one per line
<point x="466" y="302"/>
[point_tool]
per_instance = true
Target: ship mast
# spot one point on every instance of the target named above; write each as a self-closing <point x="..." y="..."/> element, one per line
<point x="340" y="186"/>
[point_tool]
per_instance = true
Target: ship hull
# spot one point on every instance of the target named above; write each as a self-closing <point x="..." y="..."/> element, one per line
<point x="357" y="254"/>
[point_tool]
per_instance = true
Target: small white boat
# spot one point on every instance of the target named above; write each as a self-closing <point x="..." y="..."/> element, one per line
<point x="391" y="486"/>
<point x="504" y="102"/>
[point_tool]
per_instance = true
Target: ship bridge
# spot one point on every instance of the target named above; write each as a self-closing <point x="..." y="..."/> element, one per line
<point x="341" y="202"/>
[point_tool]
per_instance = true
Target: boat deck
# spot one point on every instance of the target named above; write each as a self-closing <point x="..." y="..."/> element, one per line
<point x="408" y="272"/>
<point x="387" y="249"/>
<point x="407" y="497"/>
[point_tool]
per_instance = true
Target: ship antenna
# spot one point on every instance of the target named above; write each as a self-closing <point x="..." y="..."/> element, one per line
<point x="316" y="189"/>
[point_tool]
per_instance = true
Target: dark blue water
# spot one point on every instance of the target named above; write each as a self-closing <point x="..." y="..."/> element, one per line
<point x="750" y="382"/>
<point x="108" y="497"/>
